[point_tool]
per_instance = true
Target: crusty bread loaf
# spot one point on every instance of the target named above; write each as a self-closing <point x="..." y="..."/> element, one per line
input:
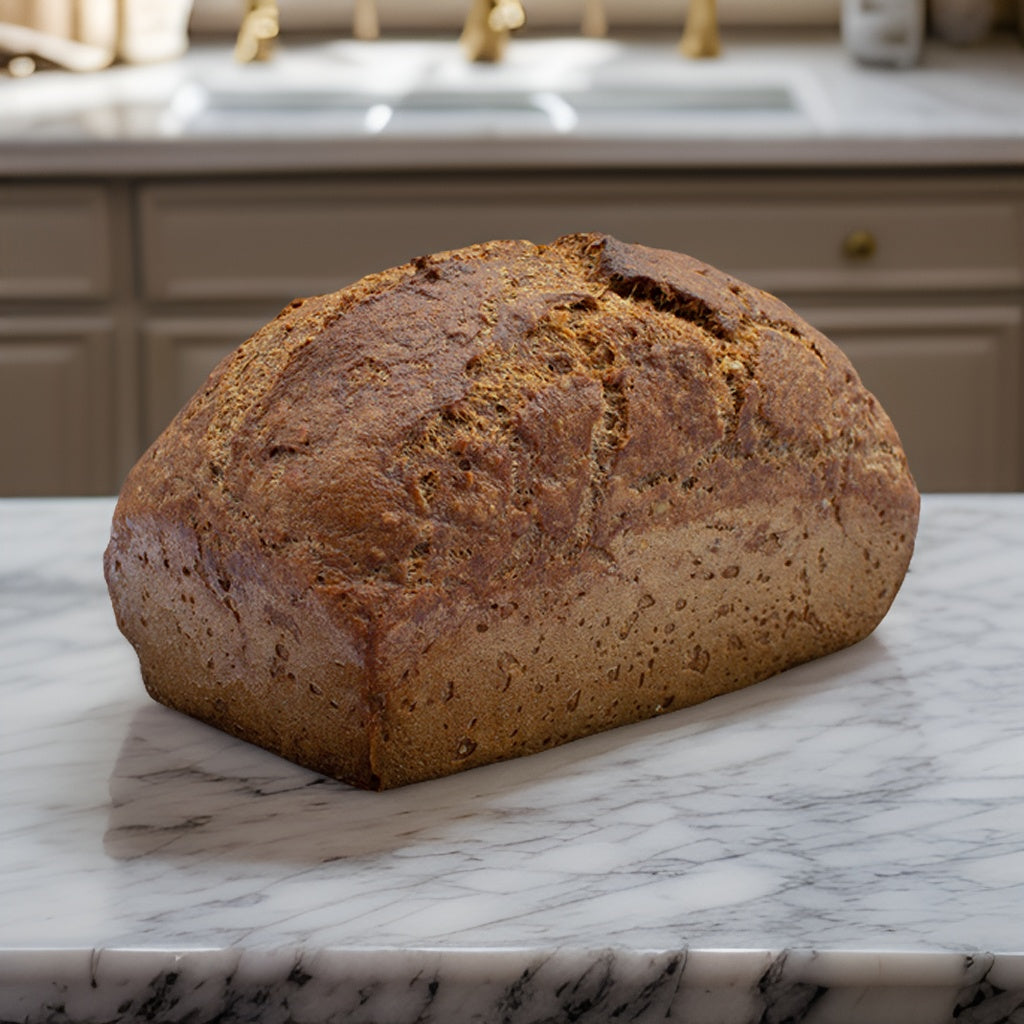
<point x="503" y="497"/>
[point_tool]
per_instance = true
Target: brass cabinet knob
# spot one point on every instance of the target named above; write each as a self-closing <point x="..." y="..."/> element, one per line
<point x="859" y="245"/>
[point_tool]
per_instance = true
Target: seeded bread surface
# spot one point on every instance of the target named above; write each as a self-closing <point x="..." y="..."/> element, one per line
<point x="501" y="498"/>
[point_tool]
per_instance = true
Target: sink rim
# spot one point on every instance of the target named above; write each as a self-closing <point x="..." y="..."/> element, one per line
<point x="565" y="110"/>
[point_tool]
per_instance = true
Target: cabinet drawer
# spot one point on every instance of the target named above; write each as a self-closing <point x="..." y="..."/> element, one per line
<point x="250" y="241"/>
<point x="54" y="242"/>
<point x="858" y="245"/>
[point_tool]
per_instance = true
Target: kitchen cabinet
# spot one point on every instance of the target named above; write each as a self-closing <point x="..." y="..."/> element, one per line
<point x="788" y="233"/>
<point x="56" y="408"/>
<point x="57" y="340"/>
<point x="919" y="276"/>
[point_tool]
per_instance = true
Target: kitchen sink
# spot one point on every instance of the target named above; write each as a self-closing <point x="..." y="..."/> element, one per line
<point x="415" y="89"/>
<point x="428" y="88"/>
<point x="768" y="96"/>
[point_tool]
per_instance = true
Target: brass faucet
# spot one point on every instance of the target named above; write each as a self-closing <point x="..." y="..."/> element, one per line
<point x="595" y="20"/>
<point x="488" y="24"/>
<point x="261" y="24"/>
<point x="258" y="31"/>
<point x="365" y="22"/>
<point x="700" y="39"/>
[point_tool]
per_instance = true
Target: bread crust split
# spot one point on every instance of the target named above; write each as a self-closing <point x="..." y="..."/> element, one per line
<point x="503" y="497"/>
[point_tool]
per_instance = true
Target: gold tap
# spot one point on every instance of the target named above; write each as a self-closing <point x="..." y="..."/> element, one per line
<point x="365" y="22"/>
<point x="487" y="28"/>
<point x="595" y="20"/>
<point x="258" y="31"/>
<point x="701" y="36"/>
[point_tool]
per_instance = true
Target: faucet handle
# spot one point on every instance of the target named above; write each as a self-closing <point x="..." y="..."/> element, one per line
<point x="700" y="38"/>
<point x="595" y="20"/>
<point x="487" y="28"/>
<point x="506" y="16"/>
<point x="365" y="23"/>
<point x="258" y="31"/>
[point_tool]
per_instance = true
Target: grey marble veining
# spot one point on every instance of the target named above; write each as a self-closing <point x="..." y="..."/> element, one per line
<point x="843" y="842"/>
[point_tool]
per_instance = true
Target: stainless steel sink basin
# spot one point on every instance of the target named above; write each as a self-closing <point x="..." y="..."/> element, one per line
<point x="424" y="89"/>
<point x="686" y="98"/>
<point x="427" y="88"/>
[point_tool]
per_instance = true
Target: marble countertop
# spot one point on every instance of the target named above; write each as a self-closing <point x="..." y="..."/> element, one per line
<point x="844" y="842"/>
<point x="961" y="107"/>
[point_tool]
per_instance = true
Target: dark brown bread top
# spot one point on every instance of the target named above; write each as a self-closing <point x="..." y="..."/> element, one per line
<point x="449" y="434"/>
<point x="492" y="410"/>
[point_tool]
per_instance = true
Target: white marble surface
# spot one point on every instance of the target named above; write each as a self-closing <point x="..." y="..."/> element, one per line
<point x="844" y="842"/>
<point x="961" y="107"/>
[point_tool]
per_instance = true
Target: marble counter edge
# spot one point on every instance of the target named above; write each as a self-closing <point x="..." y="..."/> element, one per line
<point x="182" y="158"/>
<point x="516" y="984"/>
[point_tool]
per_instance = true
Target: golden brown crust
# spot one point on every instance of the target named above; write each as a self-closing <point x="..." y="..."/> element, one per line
<point x="502" y="497"/>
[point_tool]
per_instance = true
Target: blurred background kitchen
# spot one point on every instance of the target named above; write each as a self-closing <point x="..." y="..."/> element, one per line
<point x="172" y="174"/>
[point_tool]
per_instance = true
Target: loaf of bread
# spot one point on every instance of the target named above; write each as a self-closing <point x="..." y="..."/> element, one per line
<point x="503" y="497"/>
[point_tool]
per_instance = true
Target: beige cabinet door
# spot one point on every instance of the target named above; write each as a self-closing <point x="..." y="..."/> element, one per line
<point x="56" y="410"/>
<point x="950" y="379"/>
